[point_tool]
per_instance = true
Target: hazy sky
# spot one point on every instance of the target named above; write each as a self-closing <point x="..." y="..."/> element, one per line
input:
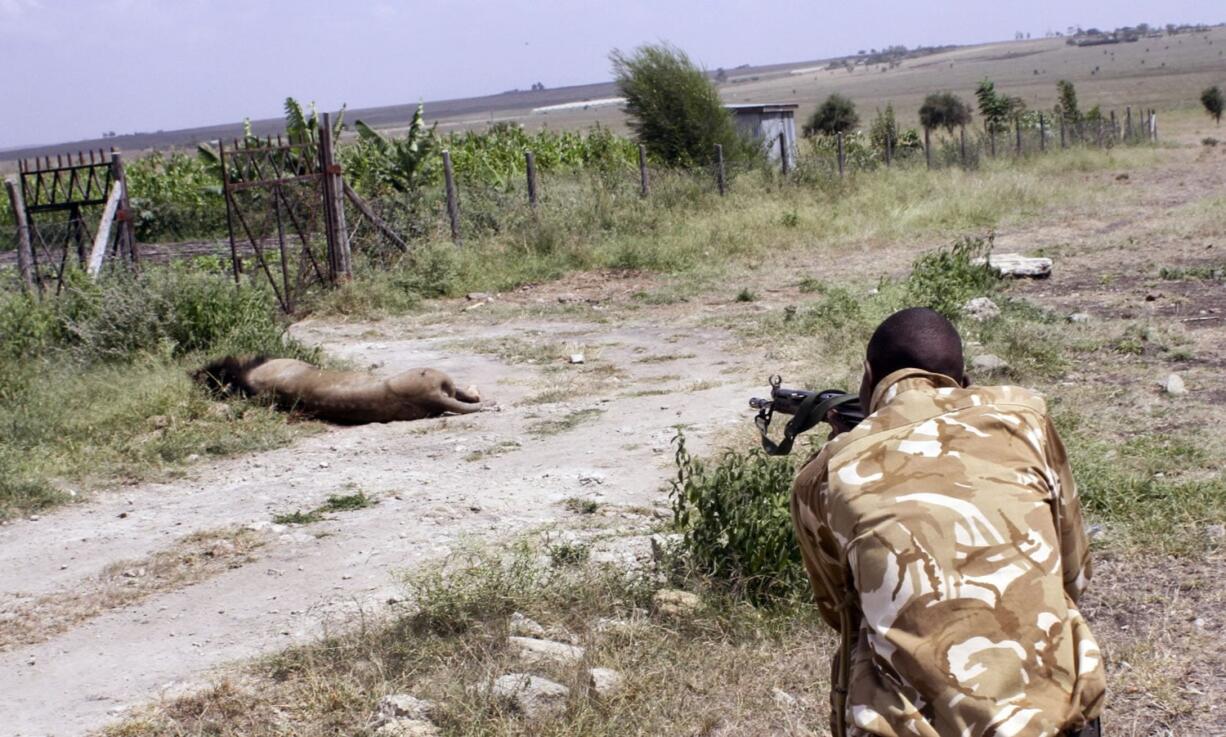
<point x="72" y="69"/>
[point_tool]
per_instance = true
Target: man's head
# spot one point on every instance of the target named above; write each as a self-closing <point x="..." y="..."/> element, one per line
<point x="918" y="338"/>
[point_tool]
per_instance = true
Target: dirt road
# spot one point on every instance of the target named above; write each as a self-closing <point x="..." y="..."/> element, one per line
<point x="438" y="483"/>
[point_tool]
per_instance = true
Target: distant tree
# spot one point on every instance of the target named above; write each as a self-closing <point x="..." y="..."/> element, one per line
<point x="1067" y="108"/>
<point x="721" y="75"/>
<point x="1211" y="98"/>
<point x="884" y="128"/>
<point x="944" y="110"/>
<point x="836" y="115"/>
<point x="675" y="110"/>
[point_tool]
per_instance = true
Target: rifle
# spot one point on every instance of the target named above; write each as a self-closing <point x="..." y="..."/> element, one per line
<point x="806" y="408"/>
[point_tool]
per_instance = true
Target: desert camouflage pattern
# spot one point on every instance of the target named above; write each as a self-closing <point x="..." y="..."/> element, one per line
<point x="947" y="524"/>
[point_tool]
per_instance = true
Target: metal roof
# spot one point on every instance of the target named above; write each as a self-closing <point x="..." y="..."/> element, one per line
<point x="765" y="107"/>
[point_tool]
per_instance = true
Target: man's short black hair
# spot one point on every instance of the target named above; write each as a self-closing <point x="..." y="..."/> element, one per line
<point x="919" y="338"/>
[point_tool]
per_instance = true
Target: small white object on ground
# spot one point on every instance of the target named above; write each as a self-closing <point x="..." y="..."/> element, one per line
<point x="1174" y="385"/>
<point x="576" y="358"/>
<point x="534" y="650"/>
<point x="1016" y="265"/>
<point x="675" y="603"/>
<point x="524" y="627"/>
<point x="783" y="699"/>
<point x="403" y="706"/>
<point x="604" y="682"/>
<point x="981" y="309"/>
<point x="407" y="728"/>
<point x="533" y="696"/>
<point x="989" y="363"/>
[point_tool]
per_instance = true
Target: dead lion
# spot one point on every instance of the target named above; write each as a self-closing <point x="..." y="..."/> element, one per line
<point x="347" y="397"/>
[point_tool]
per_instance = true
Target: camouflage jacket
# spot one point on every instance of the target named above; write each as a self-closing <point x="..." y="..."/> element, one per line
<point x="945" y="532"/>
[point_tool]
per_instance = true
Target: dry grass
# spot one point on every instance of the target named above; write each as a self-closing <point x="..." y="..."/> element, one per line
<point x="193" y="559"/>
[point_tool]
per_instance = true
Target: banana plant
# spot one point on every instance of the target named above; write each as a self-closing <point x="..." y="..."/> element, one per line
<point x="300" y="127"/>
<point x="401" y="164"/>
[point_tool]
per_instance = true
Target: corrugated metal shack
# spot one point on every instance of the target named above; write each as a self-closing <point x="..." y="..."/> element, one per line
<point x="765" y="121"/>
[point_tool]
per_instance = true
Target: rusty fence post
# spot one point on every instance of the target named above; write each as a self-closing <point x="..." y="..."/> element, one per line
<point x="1042" y="133"/>
<point x="453" y="204"/>
<point x="339" y="256"/>
<point x="127" y="231"/>
<point x="530" y="164"/>
<point x="928" y="147"/>
<point x="25" y="250"/>
<point x="783" y="154"/>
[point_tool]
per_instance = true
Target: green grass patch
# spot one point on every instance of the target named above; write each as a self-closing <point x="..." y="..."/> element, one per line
<point x="566" y="423"/>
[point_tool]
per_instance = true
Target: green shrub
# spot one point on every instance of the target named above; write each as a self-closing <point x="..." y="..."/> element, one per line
<point x="944" y="280"/>
<point x="837" y="114"/>
<point x="736" y="523"/>
<point x="675" y="111"/>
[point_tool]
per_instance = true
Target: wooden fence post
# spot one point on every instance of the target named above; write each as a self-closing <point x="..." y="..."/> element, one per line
<point x="783" y="154"/>
<point x="1063" y="142"/>
<point x="25" y="250"/>
<point x="1153" y="125"/>
<point x="962" y="144"/>
<point x="1042" y="133"/>
<point x="339" y="255"/>
<point x="838" y="137"/>
<point x="719" y="168"/>
<point x="530" y="162"/>
<point x="889" y="148"/>
<point x="127" y="232"/>
<point x="1128" y="123"/>
<point x="453" y="204"/>
<point x="644" y="186"/>
<point x="1017" y="126"/>
<point x="992" y="139"/>
<point x="1114" y="130"/>
<point x="927" y="148"/>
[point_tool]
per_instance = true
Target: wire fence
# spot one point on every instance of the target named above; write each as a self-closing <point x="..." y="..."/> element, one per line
<point x="466" y="206"/>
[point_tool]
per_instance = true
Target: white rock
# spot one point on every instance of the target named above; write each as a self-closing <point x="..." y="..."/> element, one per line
<point x="576" y="358"/>
<point x="1017" y="265"/>
<point x="533" y="650"/>
<point x="1216" y="533"/>
<point x="1174" y="385"/>
<point x="407" y="728"/>
<point x="988" y="363"/>
<point x="783" y="699"/>
<point x="981" y="309"/>
<point x="1079" y="317"/>
<point x="524" y="627"/>
<point x="403" y="706"/>
<point x="604" y="682"/>
<point x="674" y="603"/>
<point x="532" y="696"/>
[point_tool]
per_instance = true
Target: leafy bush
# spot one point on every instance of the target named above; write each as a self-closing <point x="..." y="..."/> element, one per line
<point x="837" y="114"/>
<point x="174" y="196"/>
<point x="1211" y="98"/>
<point x="674" y="109"/>
<point x="944" y="110"/>
<point x="736" y="522"/>
<point x="944" y="280"/>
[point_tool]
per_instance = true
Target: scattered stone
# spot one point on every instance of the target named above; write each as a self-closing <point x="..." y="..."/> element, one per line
<point x="221" y="549"/>
<point x="159" y="422"/>
<point x="407" y="728"/>
<point x="323" y="464"/>
<point x="534" y="650"/>
<point x="989" y="363"/>
<point x="1199" y="623"/>
<point x="1174" y="385"/>
<point x="1216" y="533"/>
<point x="532" y="696"/>
<point x="981" y="309"/>
<point x="783" y="699"/>
<point x="1016" y="265"/>
<point x="524" y="627"/>
<point x="675" y="603"/>
<point x="1079" y="317"/>
<point x="1094" y="531"/>
<point x="1153" y="296"/>
<point x="576" y="358"/>
<point x="604" y="682"/>
<point x="587" y="478"/>
<point x="478" y="297"/>
<point x="219" y="411"/>
<point x="403" y="706"/>
<point x="622" y="627"/>
<point x="1121" y="177"/>
<point x="569" y="298"/>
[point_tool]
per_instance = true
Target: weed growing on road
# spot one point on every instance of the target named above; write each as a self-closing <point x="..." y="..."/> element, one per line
<point x="566" y="423"/>
<point x="334" y="503"/>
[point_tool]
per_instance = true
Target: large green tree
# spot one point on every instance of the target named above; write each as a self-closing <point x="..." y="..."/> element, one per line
<point x="675" y="110"/>
<point x="995" y="108"/>
<point x="837" y="114"/>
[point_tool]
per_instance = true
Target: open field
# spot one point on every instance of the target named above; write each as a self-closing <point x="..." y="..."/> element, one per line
<point x="681" y="313"/>
<point x="1163" y="73"/>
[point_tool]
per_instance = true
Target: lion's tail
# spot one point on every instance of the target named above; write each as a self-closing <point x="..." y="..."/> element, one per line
<point x="228" y="375"/>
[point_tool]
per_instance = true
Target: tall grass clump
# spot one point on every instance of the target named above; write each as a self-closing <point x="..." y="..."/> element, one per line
<point x="94" y="383"/>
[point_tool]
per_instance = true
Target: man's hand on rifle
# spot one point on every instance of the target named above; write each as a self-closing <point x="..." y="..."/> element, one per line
<point x="837" y="425"/>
